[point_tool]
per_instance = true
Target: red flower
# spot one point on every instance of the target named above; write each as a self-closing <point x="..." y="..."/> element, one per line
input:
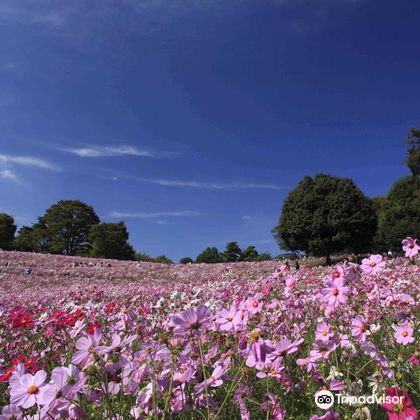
<point x="110" y="307"/>
<point x="399" y="410"/>
<point x="92" y="327"/>
<point x="23" y="321"/>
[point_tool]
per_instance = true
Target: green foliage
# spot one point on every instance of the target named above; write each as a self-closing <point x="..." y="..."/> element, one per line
<point x="163" y="259"/>
<point x="7" y="231"/>
<point x="186" y="260"/>
<point x="142" y="257"/>
<point x="209" y="255"/>
<point x="264" y="256"/>
<point x="67" y="224"/>
<point x="413" y="152"/>
<point x="250" y="254"/>
<point x="232" y="252"/>
<point x="400" y="216"/>
<point x="325" y="215"/>
<point x="110" y="240"/>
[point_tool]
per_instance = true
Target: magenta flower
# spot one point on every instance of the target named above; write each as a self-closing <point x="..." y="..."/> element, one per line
<point x="336" y="293"/>
<point x="11" y="412"/>
<point x="193" y="319"/>
<point x="229" y="320"/>
<point x="410" y="247"/>
<point x="30" y="390"/>
<point x="359" y="328"/>
<point x="404" y="333"/>
<point x="323" y="331"/>
<point x="373" y="265"/>
<point x="86" y="349"/>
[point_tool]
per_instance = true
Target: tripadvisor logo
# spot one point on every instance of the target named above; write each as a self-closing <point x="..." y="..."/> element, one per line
<point x="324" y="399"/>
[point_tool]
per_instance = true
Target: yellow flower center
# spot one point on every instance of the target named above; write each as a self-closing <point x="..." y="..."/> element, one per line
<point x="405" y="333"/>
<point x="33" y="389"/>
<point x="373" y="264"/>
<point x="324" y="333"/>
<point x="335" y="292"/>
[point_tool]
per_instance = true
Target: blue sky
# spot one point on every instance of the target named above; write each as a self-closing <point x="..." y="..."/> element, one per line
<point x="191" y="120"/>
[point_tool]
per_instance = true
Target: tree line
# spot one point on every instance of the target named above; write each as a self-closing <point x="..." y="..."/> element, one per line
<point x="322" y="216"/>
<point x="326" y="215"/>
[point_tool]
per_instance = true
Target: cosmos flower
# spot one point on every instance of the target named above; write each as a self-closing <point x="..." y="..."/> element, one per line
<point x="404" y="333"/>
<point x="30" y="390"/>
<point x="195" y="320"/>
<point x="372" y="265"/>
<point x="403" y="410"/>
<point x="336" y="293"/>
<point x="410" y="247"/>
<point x="359" y="328"/>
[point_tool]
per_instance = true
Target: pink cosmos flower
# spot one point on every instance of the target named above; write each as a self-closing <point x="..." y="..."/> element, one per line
<point x="373" y="265"/>
<point x="86" y="349"/>
<point x="359" y="328"/>
<point x="307" y="364"/>
<point x="254" y="304"/>
<point x="10" y="412"/>
<point x="30" y="390"/>
<point x="193" y="319"/>
<point x="410" y="247"/>
<point x="290" y="281"/>
<point x="336" y="293"/>
<point x="322" y="350"/>
<point x="338" y="273"/>
<point x="275" y="411"/>
<point x="229" y="320"/>
<point x="323" y="331"/>
<point x="400" y="411"/>
<point x="404" y="333"/>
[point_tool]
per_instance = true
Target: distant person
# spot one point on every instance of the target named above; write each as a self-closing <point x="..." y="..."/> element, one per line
<point x="297" y="266"/>
<point x="28" y="270"/>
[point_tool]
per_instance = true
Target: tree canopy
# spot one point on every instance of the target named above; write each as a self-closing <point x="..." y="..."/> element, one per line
<point x="324" y="215"/>
<point x="413" y="152"/>
<point x="210" y="255"/>
<point x="110" y="240"/>
<point x="7" y="231"/>
<point x="67" y="225"/>
<point x="232" y="252"/>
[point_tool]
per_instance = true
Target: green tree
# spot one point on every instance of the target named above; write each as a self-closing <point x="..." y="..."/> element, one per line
<point x="110" y="240"/>
<point x="413" y="152"/>
<point x="264" y="256"/>
<point x="141" y="256"/>
<point x="232" y="252"/>
<point x="163" y="259"/>
<point x="326" y="215"/>
<point x="400" y="216"/>
<point x="7" y="231"/>
<point x="210" y="255"/>
<point x="67" y="224"/>
<point x="24" y="239"/>
<point x="250" y="254"/>
<point x="186" y="260"/>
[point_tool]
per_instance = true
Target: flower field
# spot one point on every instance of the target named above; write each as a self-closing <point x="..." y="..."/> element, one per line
<point x="105" y="339"/>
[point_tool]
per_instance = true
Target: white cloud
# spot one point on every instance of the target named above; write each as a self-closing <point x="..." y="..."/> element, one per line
<point x="183" y="213"/>
<point x="111" y="151"/>
<point x="29" y="161"/>
<point x="8" y="174"/>
<point x="207" y="185"/>
<point x="246" y="217"/>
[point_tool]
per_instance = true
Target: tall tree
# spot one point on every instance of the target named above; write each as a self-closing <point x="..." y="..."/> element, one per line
<point x="110" y="240"/>
<point x="232" y="252"/>
<point x="7" y="231"/>
<point x="250" y="254"/>
<point x="67" y="224"/>
<point x="325" y="215"/>
<point x="210" y="255"/>
<point x="186" y="260"/>
<point x="413" y="152"/>
<point x="400" y="216"/>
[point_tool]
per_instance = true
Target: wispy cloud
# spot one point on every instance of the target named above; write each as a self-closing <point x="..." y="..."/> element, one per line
<point x="112" y="151"/>
<point x="29" y="161"/>
<point x="8" y="174"/>
<point x="205" y="185"/>
<point x="246" y="217"/>
<point x="183" y="213"/>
